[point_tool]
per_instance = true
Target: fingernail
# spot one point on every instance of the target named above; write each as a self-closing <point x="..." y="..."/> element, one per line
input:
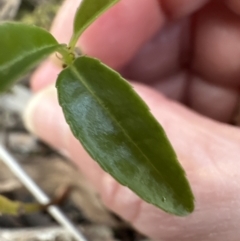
<point x="38" y="100"/>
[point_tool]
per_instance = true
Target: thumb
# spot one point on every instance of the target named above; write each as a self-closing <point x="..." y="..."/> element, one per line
<point x="208" y="151"/>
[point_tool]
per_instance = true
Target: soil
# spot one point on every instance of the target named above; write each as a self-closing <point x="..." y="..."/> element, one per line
<point x="51" y="171"/>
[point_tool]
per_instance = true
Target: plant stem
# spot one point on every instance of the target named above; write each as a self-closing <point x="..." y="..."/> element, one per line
<point x="67" y="54"/>
<point x="73" y="42"/>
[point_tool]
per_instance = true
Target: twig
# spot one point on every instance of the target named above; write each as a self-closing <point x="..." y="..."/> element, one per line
<point x="42" y="198"/>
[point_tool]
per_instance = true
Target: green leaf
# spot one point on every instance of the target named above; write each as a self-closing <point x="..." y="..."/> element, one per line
<point x="15" y="208"/>
<point x="117" y="129"/>
<point x="21" y="48"/>
<point x="88" y="12"/>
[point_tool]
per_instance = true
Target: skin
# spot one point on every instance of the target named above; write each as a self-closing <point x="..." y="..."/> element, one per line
<point x="183" y="57"/>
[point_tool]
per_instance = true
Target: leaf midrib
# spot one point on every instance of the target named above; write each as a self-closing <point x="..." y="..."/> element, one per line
<point x="115" y="120"/>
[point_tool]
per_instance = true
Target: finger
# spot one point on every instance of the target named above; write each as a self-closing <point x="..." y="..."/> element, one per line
<point x="216" y="51"/>
<point x="216" y="64"/>
<point x="167" y="52"/>
<point x="208" y="152"/>
<point x="45" y="74"/>
<point x="181" y="8"/>
<point x="215" y="101"/>
<point x="234" y="5"/>
<point x="162" y="56"/>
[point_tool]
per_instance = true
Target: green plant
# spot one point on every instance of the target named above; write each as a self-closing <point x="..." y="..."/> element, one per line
<point x="15" y="208"/>
<point x="104" y="113"/>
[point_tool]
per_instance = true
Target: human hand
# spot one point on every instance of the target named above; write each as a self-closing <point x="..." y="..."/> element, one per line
<point x="194" y="58"/>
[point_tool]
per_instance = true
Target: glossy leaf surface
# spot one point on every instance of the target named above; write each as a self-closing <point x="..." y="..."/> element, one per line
<point x="10" y="207"/>
<point x="117" y="129"/>
<point x="21" y="48"/>
<point x="88" y="12"/>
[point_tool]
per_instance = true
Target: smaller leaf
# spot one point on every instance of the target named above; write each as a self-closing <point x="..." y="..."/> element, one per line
<point x="15" y="208"/>
<point x="21" y="48"/>
<point x="88" y="12"/>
